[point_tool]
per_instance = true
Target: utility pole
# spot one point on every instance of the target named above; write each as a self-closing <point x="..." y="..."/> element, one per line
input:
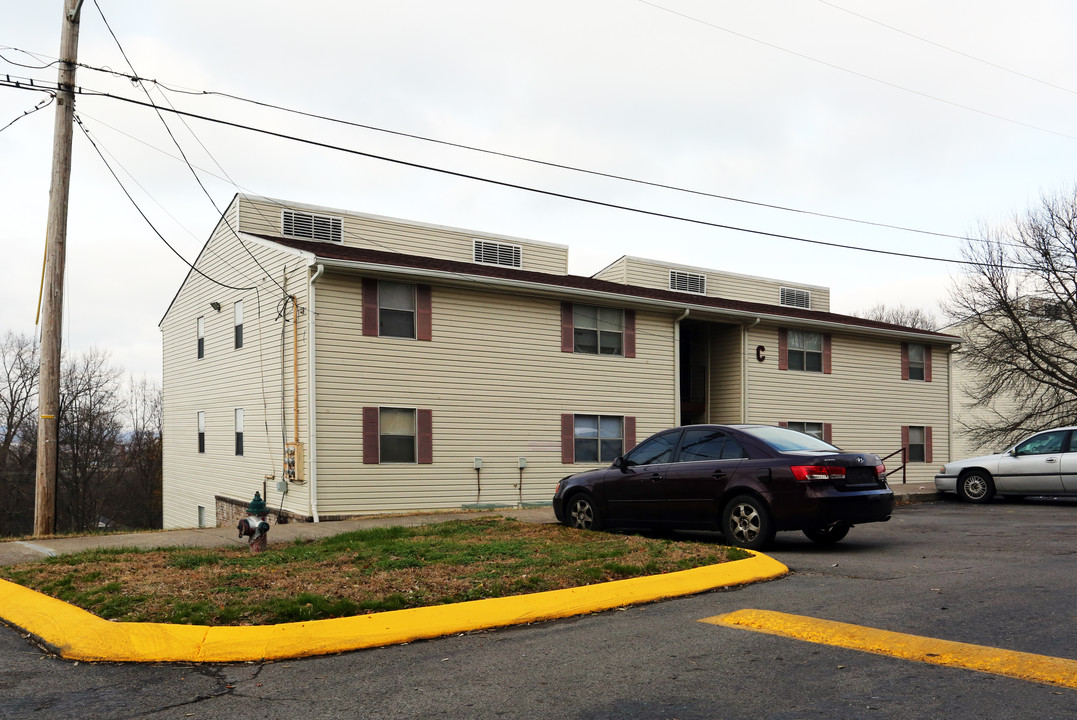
<point x="53" y="280"/>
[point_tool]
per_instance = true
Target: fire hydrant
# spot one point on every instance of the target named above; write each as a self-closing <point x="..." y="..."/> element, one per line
<point x="255" y="526"/>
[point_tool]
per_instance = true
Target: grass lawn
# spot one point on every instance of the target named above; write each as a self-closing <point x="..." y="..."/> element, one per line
<point x="354" y="573"/>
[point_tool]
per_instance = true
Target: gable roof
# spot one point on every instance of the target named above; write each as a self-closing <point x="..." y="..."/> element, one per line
<point x="345" y="256"/>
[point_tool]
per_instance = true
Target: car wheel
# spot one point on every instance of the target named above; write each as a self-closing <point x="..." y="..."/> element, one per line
<point x="828" y="535"/>
<point x="582" y="513"/>
<point x="976" y="486"/>
<point x="746" y="523"/>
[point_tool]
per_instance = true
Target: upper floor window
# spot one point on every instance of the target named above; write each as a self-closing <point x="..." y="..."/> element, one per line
<point x="496" y="253"/>
<point x="688" y="282"/>
<point x="915" y="362"/>
<point x="795" y="297"/>
<point x="201" y="332"/>
<point x="805" y="351"/>
<point x="237" y="314"/>
<point x="201" y="431"/>
<point x="395" y="309"/>
<point x="597" y="330"/>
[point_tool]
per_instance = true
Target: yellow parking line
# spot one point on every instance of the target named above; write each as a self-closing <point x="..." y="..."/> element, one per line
<point x="1020" y="665"/>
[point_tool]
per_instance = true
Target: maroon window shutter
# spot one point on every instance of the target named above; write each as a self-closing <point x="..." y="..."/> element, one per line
<point x="423" y="313"/>
<point x="371" y="437"/>
<point x="826" y="354"/>
<point x="630" y="333"/>
<point x="828" y="432"/>
<point x="567" y="344"/>
<point x="927" y="363"/>
<point x="568" y="445"/>
<point x="783" y="423"/>
<point x="905" y="443"/>
<point x="370" y="308"/>
<point x="630" y="432"/>
<point x="904" y="361"/>
<point x="783" y="349"/>
<point x="424" y="419"/>
<point x="927" y="444"/>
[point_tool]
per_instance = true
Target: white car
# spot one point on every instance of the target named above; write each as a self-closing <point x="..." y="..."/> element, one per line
<point x="1044" y="464"/>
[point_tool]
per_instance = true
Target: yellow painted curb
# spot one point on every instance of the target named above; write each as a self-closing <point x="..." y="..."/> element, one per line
<point x="79" y="635"/>
<point x="1010" y="663"/>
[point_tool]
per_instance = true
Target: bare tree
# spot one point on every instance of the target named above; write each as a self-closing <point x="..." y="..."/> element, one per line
<point x="912" y="317"/>
<point x="137" y="500"/>
<point x="18" y="446"/>
<point x="1017" y="310"/>
<point x="89" y="438"/>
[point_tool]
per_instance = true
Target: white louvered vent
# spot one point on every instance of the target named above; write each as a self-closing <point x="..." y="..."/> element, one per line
<point x="314" y="227"/>
<point x="796" y="298"/>
<point x="493" y="253"/>
<point x="687" y="282"/>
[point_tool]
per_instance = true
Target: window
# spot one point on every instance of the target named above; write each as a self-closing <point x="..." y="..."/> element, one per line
<point x="201" y="332"/>
<point x="688" y="282"/>
<point x="393" y="309"/>
<point x="654" y="451"/>
<point x="918" y="441"/>
<point x="805" y="351"/>
<point x="915" y="362"/>
<point x="794" y="297"/>
<point x="1042" y="444"/>
<point x="705" y="444"/>
<point x="239" y="431"/>
<point x="597" y="331"/>
<point x="314" y="227"/>
<point x="201" y="431"/>
<point x="808" y="428"/>
<point x="495" y="253"/>
<point x="201" y="516"/>
<point x="397" y="435"/>
<point x="597" y="438"/>
<point x="237" y="313"/>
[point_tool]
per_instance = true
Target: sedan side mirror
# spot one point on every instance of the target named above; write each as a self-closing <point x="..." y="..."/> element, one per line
<point x="619" y="462"/>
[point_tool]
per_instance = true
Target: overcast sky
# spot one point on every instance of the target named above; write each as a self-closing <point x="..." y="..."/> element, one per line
<point x="839" y="108"/>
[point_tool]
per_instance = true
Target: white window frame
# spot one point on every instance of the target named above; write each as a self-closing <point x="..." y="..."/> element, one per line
<point x="795" y="297"/>
<point x="414" y="435"/>
<point x="918" y="365"/>
<point x="922" y="444"/>
<point x="201" y="432"/>
<point x="200" y="332"/>
<point x="618" y="330"/>
<point x="239" y="432"/>
<point x="237" y="320"/>
<point x="576" y="439"/>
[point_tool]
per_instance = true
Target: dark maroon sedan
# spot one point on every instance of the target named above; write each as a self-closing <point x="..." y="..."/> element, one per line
<point x="749" y="481"/>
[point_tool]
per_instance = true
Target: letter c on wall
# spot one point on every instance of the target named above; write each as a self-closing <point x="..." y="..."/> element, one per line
<point x="759" y="350"/>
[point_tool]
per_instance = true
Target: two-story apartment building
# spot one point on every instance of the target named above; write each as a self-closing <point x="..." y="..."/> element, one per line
<point x="344" y="364"/>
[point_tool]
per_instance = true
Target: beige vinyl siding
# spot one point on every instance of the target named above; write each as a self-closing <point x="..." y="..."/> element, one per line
<point x="616" y="271"/>
<point x="496" y="382"/>
<point x="226" y="379"/>
<point x="746" y="288"/>
<point x="863" y="397"/>
<point x="726" y="371"/>
<point x="967" y="416"/>
<point x="379" y="233"/>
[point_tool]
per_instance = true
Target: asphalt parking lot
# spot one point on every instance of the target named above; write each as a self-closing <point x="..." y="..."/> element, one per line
<point x="996" y="576"/>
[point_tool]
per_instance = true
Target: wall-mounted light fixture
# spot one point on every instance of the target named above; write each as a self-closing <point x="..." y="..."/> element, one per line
<point x="216" y="306"/>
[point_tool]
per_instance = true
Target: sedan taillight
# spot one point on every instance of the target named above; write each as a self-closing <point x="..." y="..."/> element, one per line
<point x="808" y="473"/>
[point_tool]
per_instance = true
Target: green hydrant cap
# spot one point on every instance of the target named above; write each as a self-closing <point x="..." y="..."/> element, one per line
<point x="257" y="506"/>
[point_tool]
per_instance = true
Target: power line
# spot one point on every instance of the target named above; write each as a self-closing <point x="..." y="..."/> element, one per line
<point x="40" y="106"/>
<point x="950" y="49"/>
<point x="865" y="76"/>
<point x="511" y="156"/>
<point x="517" y="186"/>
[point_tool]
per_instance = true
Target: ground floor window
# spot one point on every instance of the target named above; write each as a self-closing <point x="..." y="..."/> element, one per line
<point x="808" y="428"/>
<point x="598" y="438"/>
<point x="396" y="430"/>
<point x="239" y="431"/>
<point x="398" y="435"/>
<point x="917" y="441"/>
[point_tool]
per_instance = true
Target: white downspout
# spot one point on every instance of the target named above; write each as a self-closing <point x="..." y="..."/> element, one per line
<point x="744" y="371"/>
<point x="312" y="414"/>
<point x="677" y="366"/>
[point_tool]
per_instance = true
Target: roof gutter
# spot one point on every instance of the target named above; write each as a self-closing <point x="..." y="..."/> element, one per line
<point x="457" y="278"/>
<point x="312" y="414"/>
<point x="677" y="366"/>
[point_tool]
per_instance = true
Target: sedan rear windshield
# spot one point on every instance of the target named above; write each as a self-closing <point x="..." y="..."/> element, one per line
<point x="786" y="440"/>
